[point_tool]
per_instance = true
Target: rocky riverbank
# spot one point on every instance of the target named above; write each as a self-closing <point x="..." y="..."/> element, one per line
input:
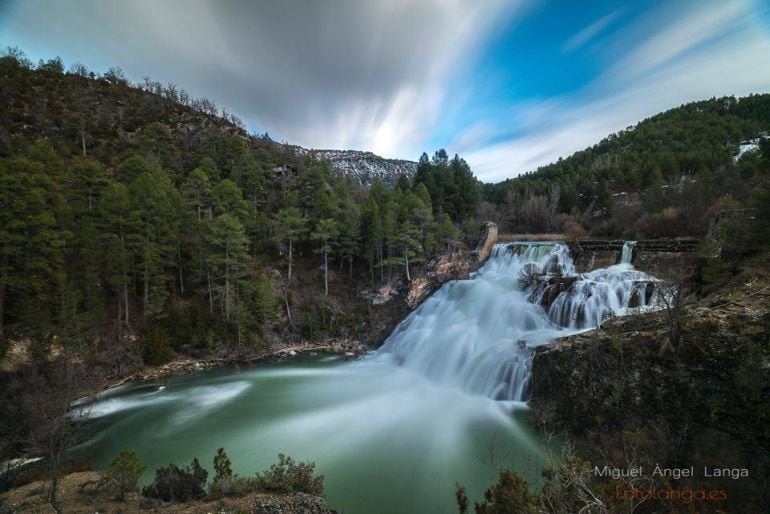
<point x="349" y="348"/>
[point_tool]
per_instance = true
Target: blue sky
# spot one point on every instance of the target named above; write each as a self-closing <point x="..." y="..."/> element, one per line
<point x="510" y="85"/>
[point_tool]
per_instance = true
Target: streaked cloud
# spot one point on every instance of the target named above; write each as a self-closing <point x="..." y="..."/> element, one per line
<point x="509" y="84"/>
<point x="686" y="31"/>
<point x="334" y="74"/>
<point x="590" y="32"/>
<point x="664" y="68"/>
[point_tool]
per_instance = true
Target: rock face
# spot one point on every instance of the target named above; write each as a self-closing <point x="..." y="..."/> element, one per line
<point x="699" y="402"/>
<point x="455" y="266"/>
<point x="366" y="167"/>
<point x="547" y="289"/>
<point x="618" y="375"/>
<point x="384" y="293"/>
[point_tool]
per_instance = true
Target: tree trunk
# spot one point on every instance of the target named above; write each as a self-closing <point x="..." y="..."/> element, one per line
<point x="286" y="302"/>
<point x="2" y="309"/>
<point x="55" y="503"/>
<point x="227" y="281"/>
<point x="179" y="267"/>
<point x="326" y="273"/>
<point x="290" y="249"/>
<point x="406" y="265"/>
<point x="125" y="299"/>
<point x="120" y="315"/>
<point x="146" y="286"/>
<point x="83" y="135"/>
<point x="211" y="294"/>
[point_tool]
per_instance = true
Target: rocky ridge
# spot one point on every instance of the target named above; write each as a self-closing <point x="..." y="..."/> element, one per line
<point x="364" y="167"/>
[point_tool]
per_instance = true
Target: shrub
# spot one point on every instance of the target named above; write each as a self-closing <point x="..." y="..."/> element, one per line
<point x="225" y="482"/>
<point x="287" y="477"/>
<point x="124" y="473"/>
<point x="284" y="477"/>
<point x="510" y="494"/>
<point x="222" y="463"/>
<point x="231" y="486"/>
<point x="173" y="483"/>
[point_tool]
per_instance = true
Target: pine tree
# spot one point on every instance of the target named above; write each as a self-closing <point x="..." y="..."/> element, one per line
<point x="408" y="239"/>
<point x="196" y="191"/>
<point x="349" y="223"/>
<point x="124" y="472"/>
<point x="290" y="227"/>
<point x="227" y="198"/>
<point x="227" y="259"/>
<point x="115" y="217"/>
<point x="31" y="241"/>
<point x="155" y="223"/>
<point x="325" y="233"/>
<point x="265" y="301"/>
<point x="373" y="234"/>
<point x="446" y="231"/>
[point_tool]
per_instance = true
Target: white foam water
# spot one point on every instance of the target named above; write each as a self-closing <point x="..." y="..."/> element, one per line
<point x="478" y="334"/>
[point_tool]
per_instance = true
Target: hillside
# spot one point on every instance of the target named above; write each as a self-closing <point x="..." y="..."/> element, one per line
<point x="695" y="138"/>
<point x="666" y="176"/>
<point x="105" y="114"/>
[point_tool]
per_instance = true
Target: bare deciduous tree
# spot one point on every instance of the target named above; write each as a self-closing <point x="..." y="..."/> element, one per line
<point x="58" y="426"/>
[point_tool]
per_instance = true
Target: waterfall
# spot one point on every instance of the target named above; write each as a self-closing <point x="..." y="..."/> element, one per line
<point x="478" y="334"/>
<point x="628" y="252"/>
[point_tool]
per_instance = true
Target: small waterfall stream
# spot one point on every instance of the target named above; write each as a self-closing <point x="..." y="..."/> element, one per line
<point x="478" y="334"/>
<point x="628" y="252"/>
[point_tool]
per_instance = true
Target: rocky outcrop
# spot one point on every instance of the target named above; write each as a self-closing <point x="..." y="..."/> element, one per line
<point x="455" y="266"/>
<point x="364" y="167"/>
<point x="384" y="293"/>
<point x="487" y="242"/>
<point x="547" y="289"/>
<point x="638" y="373"/>
<point x="703" y="401"/>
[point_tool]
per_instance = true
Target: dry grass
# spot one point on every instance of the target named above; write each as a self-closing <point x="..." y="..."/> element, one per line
<point x="77" y="499"/>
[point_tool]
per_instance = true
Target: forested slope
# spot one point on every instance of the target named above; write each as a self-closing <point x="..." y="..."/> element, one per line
<point x="135" y="214"/>
<point x="665" y="176"/>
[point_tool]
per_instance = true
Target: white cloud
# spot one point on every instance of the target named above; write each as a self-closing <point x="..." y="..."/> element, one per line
<point x="734" y="64"/>
<point x="590" y="32"/>
<point x="337" y="73"/>
<point x="710" y="19"/>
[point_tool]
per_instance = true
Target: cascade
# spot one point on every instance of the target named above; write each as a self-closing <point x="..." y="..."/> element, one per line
<point x="478" y="334"/>
<point x="628" y="252"/>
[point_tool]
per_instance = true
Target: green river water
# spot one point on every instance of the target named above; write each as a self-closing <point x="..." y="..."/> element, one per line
<point x="387" y="440"/>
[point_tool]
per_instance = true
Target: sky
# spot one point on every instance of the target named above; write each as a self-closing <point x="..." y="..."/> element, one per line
<point x="509" y="85"/>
